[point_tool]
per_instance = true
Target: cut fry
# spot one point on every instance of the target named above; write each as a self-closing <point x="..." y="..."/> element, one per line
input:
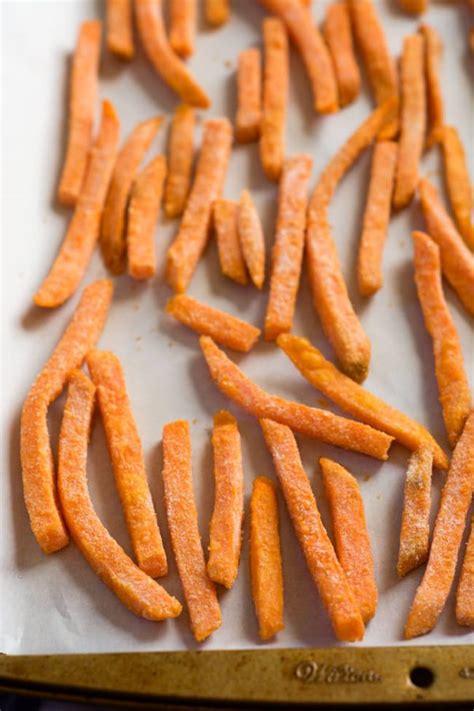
<point x="36" y="457"/>
<point x="355" y="399"/>
<point x="199" y="591"/>
<point x="458" y="183"/>
<point x="413" y="120"/>
<point x="287" y="252"/>
<point x="133" y="587"/>
<point x="465" y="591"/>
<point x="251" y="238"/>
<point x="415" y="529"/>
<point x="83" y="231"/>
<point x="225" y="539"/>
<point x="217" y="12"/>
<point x="180" y="160"/>
<point x="350" y="532"/>
<point x="249" y="101"/>
<point x="414" y="7"/>
<point x="112" y="237"/>
<point x="457" y="262"/>
<point x="126" y="453"/>
<point x="167" y="64"/>
<point x="338" y="36"/>
<point x="191" y="240"/>
<point x="324" y="567"/>
<point x="453" y="385"/>
<point x="310" y="421"/>
<point x="228" y="243"/>
<point x="433" y="52"/>
<point x="143" y="212"/>
<point x="376" y="218"/>
<point x="119" y="28"/>
<point x="182" y="26"/>
<point x="275" y="97"/>
<point x="456" y="498"/>
<point x="265" y="558"/>
<point x="82" y="98"/>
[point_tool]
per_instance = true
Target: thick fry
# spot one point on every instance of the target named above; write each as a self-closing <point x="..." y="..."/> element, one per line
<point x="251" y="238"/>
<point x="225" y="535"/>
<point x="338" y="36"/>
<point x="414" y="7"/>
<point x="191" y="240"/>
<point x="351" y="535"/>
<point x="355" y="399"/>
<point x="249" y="96"/>
<point x="36" y="457"/>
<point x="458" y="182"/>
<point x="453" y="385"/>
<point x="167" y="64"/>
<point x="275" y="97"/>
<point x="457" y="262"/>
<point x="324" y="567"/>
<point x="229" y="249"/>
<point x="310" y="421"/>
<point x="180" y="160"/>
<point x="266" y="570"/>
<point x="199" y="591"/>
<point x="287" y="252"/>
<point x="126" y="453"/>
<point x="412" y="120"/>
<point x="182" y="26"/>
<point x="433" y="52"/>
<point x="133" y="587"/>
<point x="82" y="98"/>
<point x="465" y="591"/>
<point x="456" y="498"/>
<point x="112" y="236"/>
<point x="83" y="231"/>
<point x="217" y="12"/>
<point x="119" y="28"/>
<point x="376" y="217"/>
<point x="143" y="212"/>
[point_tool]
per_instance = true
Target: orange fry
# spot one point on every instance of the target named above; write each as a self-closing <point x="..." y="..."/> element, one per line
<point x="228" y="243"/>
<point x="275" y="97"/>
<point x="265" y="558"/>
<point x="36" y="457"/>
<point x="251" y="238"/>
<point x="324" y="567"/>
<point x="180" y="160"/>
<point x="83" y="231"/>
<point x="82" y="98"/>
<point x="199" y="591"/>
<point x="191" y="240"/>
<point x="433" y="52"/>
<point x="225" y="537"/>
<point x="217" y="12"/>
<point x="249" y="101"/>
<point x="458" y="182"/>
<point x="355" y="399"/>
<point x="453" y="385"/>
<point x="465" y="591"/>
<point x="338" y="36"/>
<point x="310" y="421"/>
<point x="287" y="252"/>
<point x="119" y="28"/>
<point x="456" y="498"/>
<point x="133" y="587"/>
<point x="126" y="453"/>
<point x="414" y="7"/>
<point x="182" y="26"/>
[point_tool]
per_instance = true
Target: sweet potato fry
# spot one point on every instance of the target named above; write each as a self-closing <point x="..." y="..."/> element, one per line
<point x="465" y="591"/>
<point x="433" y="52"/>
<point x="143" y="212"/>
<point x="453" y="385"/>
<point x="36" y="457"/>
<point x="310" y="421"/>
<point x="275" y="97"/>
<point x="457" y="262"/>
<point x="199" y="591"/>
<point x="225" y="537"/>
<point x="458" y="182"/>
<point x="182" y="26"/>
<point x="191" y="240"/>
<point x="133" y="587"/>
<point x="456" y="498"/>
<point x="119" y="28"/>
<point x="355" y="399"/>
<point x="251" y="238"/>
<point x="180" y="160"/>
<point x="126" y="453"/>
<point x="324" y="567"/>
<point x="287" y="252"/>
<point x="217" y="12"/>
<point x="228" y="243"/>
<point x="338" y="36"/>
<point x="415" y="529"/>
<point x="83" y="231"/>
<point x="82" y="98"/>
<point x="265" y="558"/>
<point x="249" y="96"/>
<point x="376" y="217"/>
<point x="351" y="535"/>
<point x="414" y="7"/>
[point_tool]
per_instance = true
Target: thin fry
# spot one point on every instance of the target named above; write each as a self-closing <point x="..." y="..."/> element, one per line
<point x="249" y="100"/>
<point x="182" y="26"/>
<point x="433" y="53"/>
<point x="180" y="160"/>
<point x="251" y="238"/>
<point x="465" y="591"/>
<point x="414" y="7"/>
<point x="119" y="28"/>
<point x="217" y="12"/>
<point x="228" y="243"/>
<point x="458" y="183"/>
<point x="338" y="36"/>
<point x="275" y="97"/>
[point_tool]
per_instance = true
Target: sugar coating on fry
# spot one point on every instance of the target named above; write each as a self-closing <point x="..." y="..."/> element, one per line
<point x="82" y="98"/>
<point x="266" y="570"/>
<point x="119" y="28"/>
<point x="133" y="587"/>
<point x="465" y="591"/>
<point x="458" y="182"/>
<point x="310" y="421"/>
<point x="83" y="231"/>
<point x="128" y="463"/>
<point x="287" y="251"/>
<point x="143" y="212"/>
<point x="251" y="238"/>
<point x="183" y="255"/>
<point x="324" y="567"/>
<point x="433" y="52"/>
<point x="217" y="12"/>
<point x="180" y="160"/>
<point x="39" y="484"/>
<point x="275" y="97"/>
<point x="231" y="259"/>
<point x="182" y="26"/>
<point x="198" y="588"/>
<point x="338" y="36"/>
<point x="249" y="96"/>
<point x="225" y="531"/>
<point x="414" y="7"/>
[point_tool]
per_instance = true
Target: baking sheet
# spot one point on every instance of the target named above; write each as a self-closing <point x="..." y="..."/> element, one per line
<point x="56" y="604"/>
